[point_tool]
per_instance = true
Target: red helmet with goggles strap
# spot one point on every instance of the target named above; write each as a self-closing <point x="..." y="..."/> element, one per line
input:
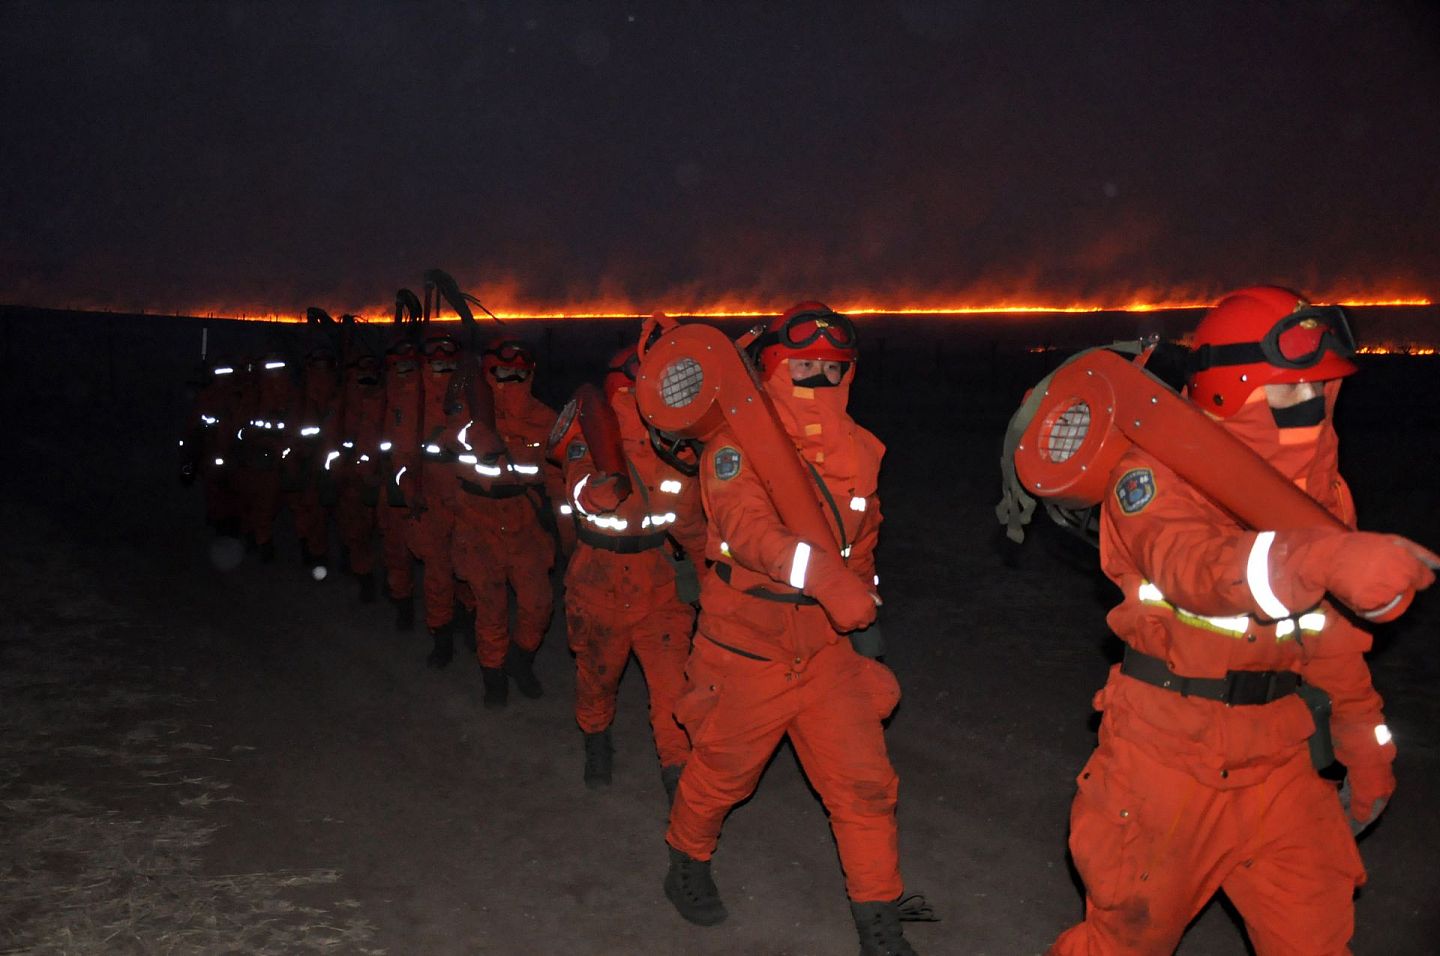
<point x="507" y="354"/>
<point x="807" y="330"/>
<point x="620" y="373"/>
<point x="440" y="342"/>
<point x="1266" y="335"/>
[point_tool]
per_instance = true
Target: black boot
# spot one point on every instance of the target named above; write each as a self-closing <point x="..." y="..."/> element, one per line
<point x="404" y="613"/>
<point x="520" y="664"/>
<point x="444" y="649"/>
<point x="688" y="885"/>
<point x="670" y="777"/>
<point x="599" y="759"/>
<point x="367" y="588"/>
<point x="879" y="927"/>
<point x="267" y="552"/>
<point x="497" y="687"/>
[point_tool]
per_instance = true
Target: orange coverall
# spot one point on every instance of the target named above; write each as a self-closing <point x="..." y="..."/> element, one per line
<point x="1186" y="795"/>
<point x="210" y="435"/>
<point x="303" y="470"/>
<point x="263" y="440"/>
<point x="763" y="668"/>
<point x="400" y="443"/>
<point x="430" y="490"/>
<point x="498" y="537"/>
<point x="622" y="601"/>
<point x="357" y="470"/>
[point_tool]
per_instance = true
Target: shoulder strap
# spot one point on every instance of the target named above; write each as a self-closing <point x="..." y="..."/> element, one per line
<point x="834" y="509"/>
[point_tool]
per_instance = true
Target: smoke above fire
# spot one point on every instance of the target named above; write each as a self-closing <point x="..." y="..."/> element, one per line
<point x="584" y="159"/>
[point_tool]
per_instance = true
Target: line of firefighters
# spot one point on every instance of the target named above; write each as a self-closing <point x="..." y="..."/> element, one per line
<point x="1201" y="778"/>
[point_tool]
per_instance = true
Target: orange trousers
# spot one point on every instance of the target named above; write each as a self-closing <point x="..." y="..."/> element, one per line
<point x="490" y="556"/>
<point x="602" y="638"/>
<point x="737" y="709"/>
<point x="429" y="538"/>
<point x="1153" y="844"/>
<point x="222" y="501"/>
<point x="260" y="490"/>
<point x="394" y="523"/>
<point x="312" y="519"/>
<point x="356" y="522"/>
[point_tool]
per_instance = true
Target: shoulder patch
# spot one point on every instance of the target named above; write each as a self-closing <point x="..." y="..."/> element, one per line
<point x="727" y="463"/>
<point x="1135" y="490"/>
<point x="576" y="451"/>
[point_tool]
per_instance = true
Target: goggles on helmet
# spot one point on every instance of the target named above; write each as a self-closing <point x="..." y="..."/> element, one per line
<point x="441" y="345"/>
<point x="1300" y="340"/>
<point x="804" y="329"/>
<point x="510" y="352"/>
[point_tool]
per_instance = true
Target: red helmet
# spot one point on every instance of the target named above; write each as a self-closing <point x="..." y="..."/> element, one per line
<point x="1266" y="335"/>
<point x="807" y="330"/>
<point x="402" y="356"/>
<point x="620" y="373"/>
<point x="502" y="354"/>
<point x="437" y="343"/>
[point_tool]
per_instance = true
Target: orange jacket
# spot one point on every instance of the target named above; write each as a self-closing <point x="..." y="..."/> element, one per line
<point x="663" y="504"/>
<point x="1188" y="576"/>
<point x="361" y="426"/>
<point x="523" y="423"/>
<point x="745" y="533"/>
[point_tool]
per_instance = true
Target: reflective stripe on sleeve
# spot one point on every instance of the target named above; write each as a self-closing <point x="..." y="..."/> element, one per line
<point x="1257" y="576"/>
<point x="575" y="495"/>
<point x="798" y="563"/>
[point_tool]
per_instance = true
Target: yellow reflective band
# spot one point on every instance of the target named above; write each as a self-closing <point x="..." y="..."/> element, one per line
<point x="1236" y="626"/>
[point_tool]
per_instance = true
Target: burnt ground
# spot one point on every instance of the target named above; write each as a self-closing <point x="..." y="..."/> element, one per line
<point x="208" y="760"/>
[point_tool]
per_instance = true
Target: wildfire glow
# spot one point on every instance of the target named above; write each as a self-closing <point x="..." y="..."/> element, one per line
<point x="861" y="308"/>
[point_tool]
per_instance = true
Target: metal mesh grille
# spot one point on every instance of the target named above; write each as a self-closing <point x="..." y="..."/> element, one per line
<point x="680" y="382"/>
<point x="1067" y="432"/>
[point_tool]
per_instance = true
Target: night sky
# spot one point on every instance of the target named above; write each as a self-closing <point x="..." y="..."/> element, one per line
<point x="257" y="155"/>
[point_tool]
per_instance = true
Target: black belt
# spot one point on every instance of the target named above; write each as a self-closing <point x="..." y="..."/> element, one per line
<point x="621" y="544"/>
<point x="723" y="572"/>
<point x="499" y="491"/>
<point x="1236" y="688"/>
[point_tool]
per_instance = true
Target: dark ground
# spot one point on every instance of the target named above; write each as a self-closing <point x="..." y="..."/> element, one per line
<point x="198" y="760"/>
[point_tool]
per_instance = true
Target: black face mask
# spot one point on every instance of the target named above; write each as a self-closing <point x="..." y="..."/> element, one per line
<point x="819" y="379"/>
<point x="1303" y="415"/>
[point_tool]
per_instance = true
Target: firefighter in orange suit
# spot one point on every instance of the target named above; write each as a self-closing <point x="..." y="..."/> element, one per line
<point x="355" y="467"/>
<point x="771" y="657"/>
<point x="499" y="540"/>
<point x="208" y="446"/>
<point x="430" y="488"/>
<point x="400" y="456"/>
<point x="310" y="492"/>
<point x="1202" y="779"/>
<point x="263" y="442"/>
<point x="620" y="585"/>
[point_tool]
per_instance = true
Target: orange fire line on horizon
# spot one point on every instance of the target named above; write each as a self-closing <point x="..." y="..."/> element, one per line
<point x="380" y="316"/>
